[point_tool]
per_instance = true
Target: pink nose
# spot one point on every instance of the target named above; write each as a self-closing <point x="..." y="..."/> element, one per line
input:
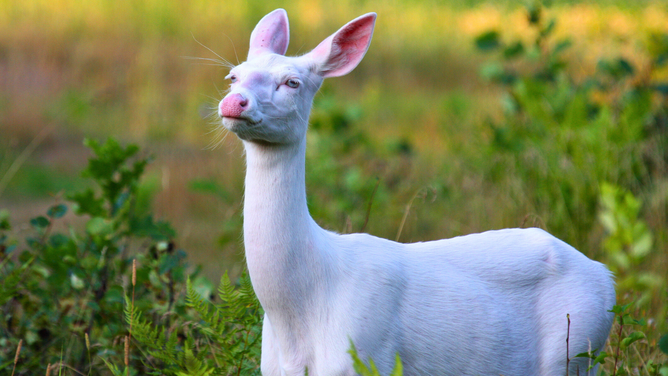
<point x="233" y="105"/>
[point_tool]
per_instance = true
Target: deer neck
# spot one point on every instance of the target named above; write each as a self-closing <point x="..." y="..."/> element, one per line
<point x="282" y="252"/>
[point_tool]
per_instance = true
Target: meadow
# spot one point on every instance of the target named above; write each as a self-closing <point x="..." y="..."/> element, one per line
<point x="463" y="117"/>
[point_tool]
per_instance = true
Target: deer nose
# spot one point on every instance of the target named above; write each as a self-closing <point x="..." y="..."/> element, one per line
<point x="233" y="106"/>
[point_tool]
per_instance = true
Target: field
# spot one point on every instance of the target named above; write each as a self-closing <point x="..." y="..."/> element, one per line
<point x="439" y="132"/>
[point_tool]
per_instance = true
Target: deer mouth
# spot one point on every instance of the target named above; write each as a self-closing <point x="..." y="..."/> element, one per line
<point x="233" y="123"/>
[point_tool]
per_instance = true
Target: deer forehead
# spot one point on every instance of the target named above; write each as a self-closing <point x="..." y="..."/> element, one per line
<point x="275" y="69"/>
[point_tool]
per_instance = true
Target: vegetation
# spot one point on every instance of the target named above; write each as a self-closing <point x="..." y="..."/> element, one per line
<point x="63" y="296"/>
<point x="585" y="147"/>
<point x="566" y="129"/>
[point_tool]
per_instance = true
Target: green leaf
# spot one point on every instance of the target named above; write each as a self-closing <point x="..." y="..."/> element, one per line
<point x="201" y="286"/>
<point x="154" y="278"/>
<point x="616" y="69"/>
<point x="628" y="320"/>
<point x="145" y="226"/>
<point x="100" y="226"/>
<point x="371" y="370"/>
<point x="40" y="222"/>
<point x="618" y="309"/>
<point x="549" y="28"/>
<point x="633" y="337"/>
<point x="4" y="220"/>
<point x="642" y="246"/>
<point x="534" y="13"/>
<point x="31" y="337"/>
<point x="514" y="50"/>
<point x="110" y="156"/>
<point x="562" y="46"/>
<point x="76" y="282"/>
<point x="398" y="369"/>
<point x="87" y="203"/>
<point x="488" y="41"/>
<point x="58" y="240"/>
<point x="625" y="67"/>
<point x="194" y="366"/>
<point x="663" y="344"/>
<point x="588" y="354"/>
<point x="608" y="221"/>
<point x="600" y="359"/>
<point x="663" y="87"/>
<point x="168" y="262"/>
<point x="57" y="211"/>
<point x="621" y="259"/>
<point x="112" y="367"/>
<point x="6" y="245"/>
<point x="358" y="364"/>
<point x="496" y="72"/>
<point x="115" y="295"/>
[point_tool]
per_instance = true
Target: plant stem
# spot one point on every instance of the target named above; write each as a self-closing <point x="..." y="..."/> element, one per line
<point x="568" y="334"/>
<point x="619" y="343"/>
<point x="245" y="348"/>
<point x="16" y="357"/>
<point x="368" y="208"/>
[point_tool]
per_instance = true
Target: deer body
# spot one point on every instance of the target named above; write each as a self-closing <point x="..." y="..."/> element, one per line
<point x="485" y="304"/>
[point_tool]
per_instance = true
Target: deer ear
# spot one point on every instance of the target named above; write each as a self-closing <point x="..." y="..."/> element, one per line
<point x="342" y="51"/>
<point x="271" y="35"/>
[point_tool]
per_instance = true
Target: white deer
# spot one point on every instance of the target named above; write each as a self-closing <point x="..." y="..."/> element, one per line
<point x="494" y="303"/>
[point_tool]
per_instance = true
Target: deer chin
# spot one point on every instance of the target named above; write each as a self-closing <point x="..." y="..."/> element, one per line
<point x="251" y="131"/>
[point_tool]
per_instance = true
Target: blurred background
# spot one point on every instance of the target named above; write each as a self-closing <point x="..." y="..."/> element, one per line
<point x="464" y="116"/>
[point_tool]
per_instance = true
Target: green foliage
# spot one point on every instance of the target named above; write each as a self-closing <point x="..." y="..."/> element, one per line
<point x="223" y="340"/>
<point x="371" y="370"/>
<point x="663" y="344"/>
<point x="628" y="243"/>
<point x="488" y="40"/>
<point x="560" y="137"/>
<point x="67" y="284"/>
<point x="343" y="186"/>
<point x="626" y="346"/>
<point x="581" y="151"/>
<point x="67" y="289"/>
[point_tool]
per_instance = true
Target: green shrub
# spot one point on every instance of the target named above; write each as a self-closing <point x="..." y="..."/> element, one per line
<point x="224" y="339"/>
<point x="64" y="289"/>
<point x="560" y="137"/>
<point x="628" y="351"/>
<point x="628" y="243"/>
<point x="343" y="188"/>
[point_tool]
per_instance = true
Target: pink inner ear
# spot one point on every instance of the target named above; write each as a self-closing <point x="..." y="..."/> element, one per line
<point x="271" y="35"/>
<point x="340" y="53"/>
<point x="354" y="40"/>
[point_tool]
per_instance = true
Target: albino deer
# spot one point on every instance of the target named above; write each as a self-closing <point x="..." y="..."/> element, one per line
<point x="493" y="303"/>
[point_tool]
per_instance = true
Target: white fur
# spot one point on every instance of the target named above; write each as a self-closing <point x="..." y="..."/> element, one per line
<point x="484" y="304"/>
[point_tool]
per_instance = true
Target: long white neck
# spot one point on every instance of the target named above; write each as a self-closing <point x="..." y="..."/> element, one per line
<point x="284" y="258"/>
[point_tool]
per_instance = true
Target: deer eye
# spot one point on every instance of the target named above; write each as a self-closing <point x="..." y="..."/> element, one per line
<point x="293" y="83"/>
